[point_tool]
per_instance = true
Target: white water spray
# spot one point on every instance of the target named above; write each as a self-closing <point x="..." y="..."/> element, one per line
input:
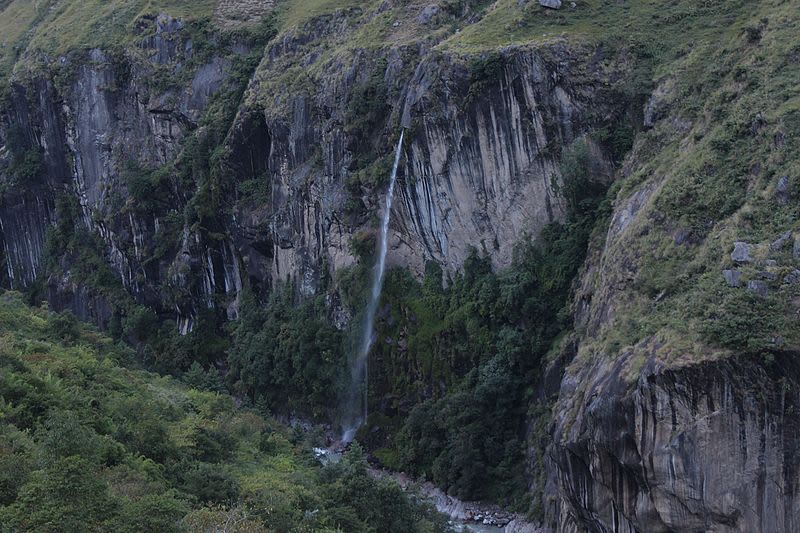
<point x="355" y="412"/>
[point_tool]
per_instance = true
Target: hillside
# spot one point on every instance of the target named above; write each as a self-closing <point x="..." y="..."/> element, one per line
<point x="89" y="445"/>
<point x="590" y="313"/>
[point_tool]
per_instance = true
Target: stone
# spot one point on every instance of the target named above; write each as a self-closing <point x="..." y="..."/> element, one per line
<point x="656" y="106"/>
<point x="732" y="277"/>
<point x="427" y="14"/>
<point x="782" y="192"/>
<point x="792" y="278"/>
<point x="758" y="287"/>
<point x="781" y="241"/>
<point x="552" y="4"/>
<point x="682" y="236"/>
<point x="796" y="247"/>
<point x="687" y="442"/>
<point x="741" y="252"/>
<point x="768" y="275"/>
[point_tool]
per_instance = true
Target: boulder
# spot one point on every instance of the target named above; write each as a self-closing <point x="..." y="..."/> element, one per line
<point x="732" y="277"/>
<point x="552" y="4"/>
<point x="796" y="247"/>
<point x="757" y="287"/>
<point x="792" y="278"/>
<point x="781" y="241"/>
<point x="427" y="14"/>
<point x="782" y="192"/>
<point x="741" y="252"/>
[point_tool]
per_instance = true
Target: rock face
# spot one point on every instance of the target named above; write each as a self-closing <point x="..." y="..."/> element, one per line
<point x="703" y="448"/>
<point x="26" y="213"/>
<point x="478" y="167"/>
<point x="477" y="170"/>
<point x="88" y="132"/>
<point x="473" y="170"/>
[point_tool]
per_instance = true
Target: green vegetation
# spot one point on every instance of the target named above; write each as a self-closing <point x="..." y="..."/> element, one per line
<point x="647" y="25"/>
<point x="465" y="356"/>
<point x="295" y="13"/>
<point x="288" y="357"/>
<point x="713" y="169"/>
<point x="88" y="445"/>
<point x="15" y="19"/>
<point x="68" y="25"/>
<point x="26" y="161"/>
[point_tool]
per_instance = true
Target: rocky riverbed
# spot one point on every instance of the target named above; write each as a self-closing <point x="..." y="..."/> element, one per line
<point x="464" y="516"/>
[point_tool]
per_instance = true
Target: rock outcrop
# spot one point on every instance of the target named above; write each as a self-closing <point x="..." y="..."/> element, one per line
<point x="480" y="166"/>
<point x="678" y="411"/>
<point x="708" y="447"/>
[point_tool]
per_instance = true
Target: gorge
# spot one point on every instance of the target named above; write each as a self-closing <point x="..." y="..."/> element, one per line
<point x="573" y="272"/>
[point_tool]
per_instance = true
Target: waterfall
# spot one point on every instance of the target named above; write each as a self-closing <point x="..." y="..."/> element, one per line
<point x="355" y="412"/>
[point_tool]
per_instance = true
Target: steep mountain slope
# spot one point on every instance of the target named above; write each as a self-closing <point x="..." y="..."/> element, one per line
<point x="87" y="445"/>
<point x="188" y="215"/>
<point x="213" y="169"/>
<point x="679" y="410"/>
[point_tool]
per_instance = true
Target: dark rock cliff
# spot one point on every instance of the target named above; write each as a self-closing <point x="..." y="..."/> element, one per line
<point x="479" y="170"/>
<point x="701" y="448"/>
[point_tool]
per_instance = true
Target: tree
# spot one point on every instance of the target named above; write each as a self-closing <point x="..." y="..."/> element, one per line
<point x="66" y="497"/>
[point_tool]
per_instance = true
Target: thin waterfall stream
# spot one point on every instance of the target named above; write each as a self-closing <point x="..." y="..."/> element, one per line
<point x="355" y="409"/>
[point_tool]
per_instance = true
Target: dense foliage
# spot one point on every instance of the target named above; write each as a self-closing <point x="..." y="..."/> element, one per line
<point x="466" y="356"/>
<point x="88" y="445"/>
<point x="288" y="356"/>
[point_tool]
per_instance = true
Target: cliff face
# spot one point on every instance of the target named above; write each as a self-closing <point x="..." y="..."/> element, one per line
<point x="707" y="447"/>
<point x="479" y="170"/>
<point x="110" y="117"/>
<point x="27" y="212"/>
<point x="479" y="166"/>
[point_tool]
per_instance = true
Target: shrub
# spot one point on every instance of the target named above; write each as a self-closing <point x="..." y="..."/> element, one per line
<point x="209" y="483"/>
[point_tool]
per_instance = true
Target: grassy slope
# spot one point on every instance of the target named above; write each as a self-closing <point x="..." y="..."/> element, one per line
<point x="733" y="130"/>
<point x="15" y="19"/>
<point x="145" y="453"/>
<point x="33" y="27"/>
<point x="45" y="377"/>
<point x="91" y="23"/>
<point x="645" y="21"/>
